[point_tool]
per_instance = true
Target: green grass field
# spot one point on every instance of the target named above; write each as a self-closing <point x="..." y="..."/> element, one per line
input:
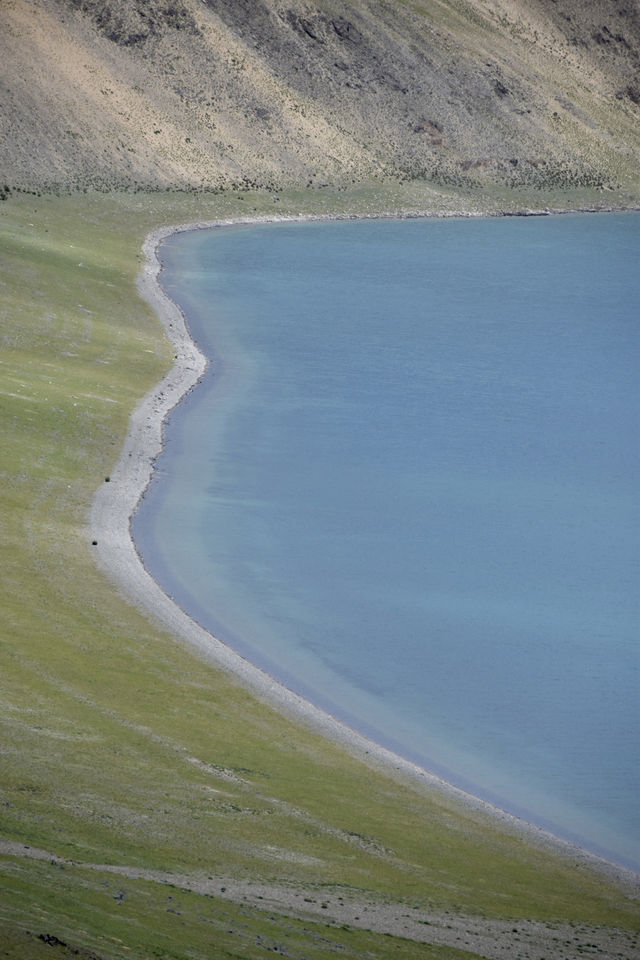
<point x="119" y="746"/>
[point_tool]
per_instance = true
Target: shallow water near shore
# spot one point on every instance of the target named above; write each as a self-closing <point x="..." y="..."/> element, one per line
<point x="407" y="488"/>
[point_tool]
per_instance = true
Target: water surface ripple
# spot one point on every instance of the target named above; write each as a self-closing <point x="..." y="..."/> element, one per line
<point x="407" y="488"/>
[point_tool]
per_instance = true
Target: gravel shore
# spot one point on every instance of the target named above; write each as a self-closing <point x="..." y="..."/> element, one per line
<point x="110" y="532"/>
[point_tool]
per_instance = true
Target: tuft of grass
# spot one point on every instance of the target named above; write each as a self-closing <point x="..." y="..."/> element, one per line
<point x="119" y="746"/>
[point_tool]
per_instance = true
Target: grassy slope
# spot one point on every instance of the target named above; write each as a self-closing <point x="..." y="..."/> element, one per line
<point x="103" y="714"/>
<point x="91" y="916"/>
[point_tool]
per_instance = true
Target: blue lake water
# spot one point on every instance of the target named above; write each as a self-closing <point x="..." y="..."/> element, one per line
<point x="408" y="488"/>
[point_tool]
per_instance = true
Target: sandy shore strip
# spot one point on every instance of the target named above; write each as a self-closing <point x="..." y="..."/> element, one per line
<point x="110" y="531"/>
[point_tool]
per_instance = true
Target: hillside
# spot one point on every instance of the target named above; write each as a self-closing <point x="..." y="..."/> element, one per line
<point x="272" y="93"/>
<point x="150" y="804"/>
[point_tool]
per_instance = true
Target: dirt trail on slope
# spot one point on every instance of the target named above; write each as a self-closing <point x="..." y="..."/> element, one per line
<point x="493" y="939"/>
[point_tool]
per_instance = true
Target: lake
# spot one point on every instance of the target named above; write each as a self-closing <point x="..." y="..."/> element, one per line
<point x="408" y="489"/>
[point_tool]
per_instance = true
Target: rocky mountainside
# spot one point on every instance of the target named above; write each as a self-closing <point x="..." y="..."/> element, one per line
<point x="214" y="93"/>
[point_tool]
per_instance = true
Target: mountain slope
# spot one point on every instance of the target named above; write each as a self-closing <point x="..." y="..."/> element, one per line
<point x="213" y="93"/>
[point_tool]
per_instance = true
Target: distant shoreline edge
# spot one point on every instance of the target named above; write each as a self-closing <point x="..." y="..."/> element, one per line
<point x="110" y="530"/>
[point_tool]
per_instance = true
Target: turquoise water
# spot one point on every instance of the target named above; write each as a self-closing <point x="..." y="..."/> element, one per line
<point x="408" y="489"/>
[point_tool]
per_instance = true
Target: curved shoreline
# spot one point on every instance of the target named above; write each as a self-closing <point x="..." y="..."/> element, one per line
<point x="110" y="525"/>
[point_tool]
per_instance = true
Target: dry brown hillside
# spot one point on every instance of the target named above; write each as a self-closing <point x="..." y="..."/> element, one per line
<point x="209" y="93"/>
